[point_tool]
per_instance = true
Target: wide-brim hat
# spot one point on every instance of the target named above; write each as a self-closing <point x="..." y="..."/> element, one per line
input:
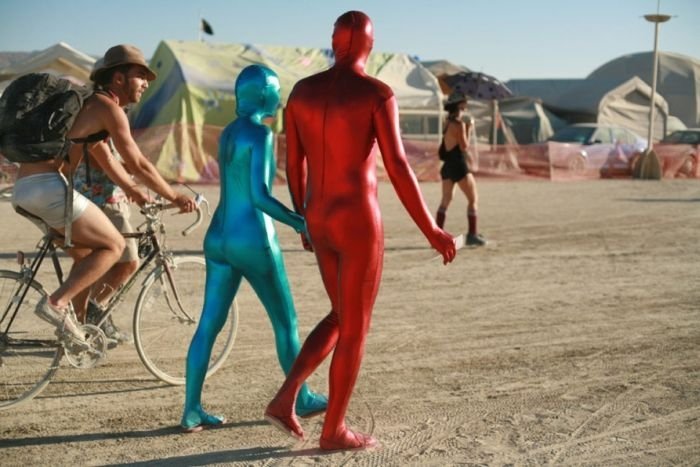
<point x="122" y="54"/>
<point x="456" y="97"/>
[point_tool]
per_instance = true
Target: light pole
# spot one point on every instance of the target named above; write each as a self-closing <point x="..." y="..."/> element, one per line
<point x="649" y="166"/>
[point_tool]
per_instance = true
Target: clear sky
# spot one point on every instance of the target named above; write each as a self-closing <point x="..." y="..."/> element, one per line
<point x="505" y="38"/>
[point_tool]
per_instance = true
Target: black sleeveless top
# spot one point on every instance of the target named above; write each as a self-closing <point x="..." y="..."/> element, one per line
<point x="454" y="154"/>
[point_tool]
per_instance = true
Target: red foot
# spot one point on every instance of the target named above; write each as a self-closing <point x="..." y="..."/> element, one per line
<point x="349" y="441"/>
<point x="286" y="423"/>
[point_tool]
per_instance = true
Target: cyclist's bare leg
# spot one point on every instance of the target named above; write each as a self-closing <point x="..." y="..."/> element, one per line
<point x="80" y="300"/>
<point x="103" y="289"/>
<point x="92" y="230"/>
<point x="112" y="280"/>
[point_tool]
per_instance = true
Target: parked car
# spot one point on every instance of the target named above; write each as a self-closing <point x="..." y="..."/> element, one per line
<point x="688" y="136"/>
<point x="679" y="153"/>
<point x="587" y="149"/>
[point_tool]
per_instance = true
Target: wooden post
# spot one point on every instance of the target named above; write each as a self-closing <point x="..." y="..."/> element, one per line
<point x="494" y="124"/>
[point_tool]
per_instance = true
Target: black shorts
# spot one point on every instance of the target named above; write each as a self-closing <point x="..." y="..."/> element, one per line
<point x="454" y="169"/>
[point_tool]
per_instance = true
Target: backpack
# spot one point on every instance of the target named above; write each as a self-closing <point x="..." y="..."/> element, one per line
<point x="36" y="112"/>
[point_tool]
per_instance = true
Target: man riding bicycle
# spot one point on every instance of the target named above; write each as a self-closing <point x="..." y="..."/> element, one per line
<point x="40" y="188"/>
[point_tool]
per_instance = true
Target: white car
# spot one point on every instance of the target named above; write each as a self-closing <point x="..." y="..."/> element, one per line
<point x="587" y="147"/>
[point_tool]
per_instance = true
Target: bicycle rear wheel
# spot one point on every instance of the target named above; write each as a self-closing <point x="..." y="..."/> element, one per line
<point x="30" y="353"/>
<point x="163" y="330"/>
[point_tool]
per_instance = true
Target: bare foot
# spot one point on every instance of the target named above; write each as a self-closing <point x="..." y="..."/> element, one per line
<point x="348" y="441"/>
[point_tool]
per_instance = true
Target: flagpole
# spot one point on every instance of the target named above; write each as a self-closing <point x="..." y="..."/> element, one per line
<point x="649" y="166"/>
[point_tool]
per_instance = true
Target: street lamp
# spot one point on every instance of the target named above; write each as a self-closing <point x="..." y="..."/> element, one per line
<point x="649" y="166"/>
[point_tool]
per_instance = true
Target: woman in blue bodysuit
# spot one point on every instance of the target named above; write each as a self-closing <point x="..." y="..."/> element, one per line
<point x="241" y="242"/>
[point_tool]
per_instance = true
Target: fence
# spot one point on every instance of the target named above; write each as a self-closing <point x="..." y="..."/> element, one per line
<point x="195" y="160"/>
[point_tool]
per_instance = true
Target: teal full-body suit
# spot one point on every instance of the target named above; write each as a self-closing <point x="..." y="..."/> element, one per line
<point x="241" y="242"/>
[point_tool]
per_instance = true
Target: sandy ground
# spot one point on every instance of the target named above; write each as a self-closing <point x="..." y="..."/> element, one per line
<point x="572" y="339"/>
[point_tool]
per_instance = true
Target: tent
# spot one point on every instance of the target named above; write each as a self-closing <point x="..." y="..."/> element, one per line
<point x="178" y="121"/>
<point x="547" y="90"/>
<point x="60" y="59"/>
<point x="628" y="105"/>
<point x="527" y="120"/>
<point x="415" y="87"/>
<point x="623" y="104"/>
<point x="678" y="80"/>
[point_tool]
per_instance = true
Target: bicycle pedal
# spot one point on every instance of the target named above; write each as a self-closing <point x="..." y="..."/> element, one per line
<point x="68" y="340"/>
<point x="89" y="353"/>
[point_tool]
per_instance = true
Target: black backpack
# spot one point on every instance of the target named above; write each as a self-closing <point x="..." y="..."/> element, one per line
<point x="36" y="112"/>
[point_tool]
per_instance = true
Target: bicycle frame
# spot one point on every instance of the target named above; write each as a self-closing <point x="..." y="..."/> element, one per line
<point x="118" y="296"/>
<point x="158" y="254"/>
<point x="162" y="306"/>
<point x="28" y="273"/>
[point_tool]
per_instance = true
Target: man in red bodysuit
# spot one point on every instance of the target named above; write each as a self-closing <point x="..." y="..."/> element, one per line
<point x="334" y="119"/>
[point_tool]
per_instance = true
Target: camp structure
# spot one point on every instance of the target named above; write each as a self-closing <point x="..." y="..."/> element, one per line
<point x="620" y="89"/>
<point x="180" y="117"/>
<point x="678" y="80"/>
<point x="524" y="120"/>
<point x="60" y="59"/>
<point x="547" y="90"/>
<point x="625" y="104"/>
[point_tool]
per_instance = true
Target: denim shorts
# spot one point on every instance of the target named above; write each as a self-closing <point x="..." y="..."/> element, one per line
<point x="44" y="195"/>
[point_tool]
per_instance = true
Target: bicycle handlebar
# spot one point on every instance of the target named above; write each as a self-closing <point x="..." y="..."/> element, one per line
<point x="162" y="206"/>
<point x="195" y="224"/>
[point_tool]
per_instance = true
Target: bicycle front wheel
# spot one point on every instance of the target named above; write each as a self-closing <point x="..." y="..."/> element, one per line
<point x="167" y="315"/>
<point x="30" y="353"/>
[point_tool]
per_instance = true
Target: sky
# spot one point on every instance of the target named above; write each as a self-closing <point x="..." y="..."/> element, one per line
<point x="510" y="39"/>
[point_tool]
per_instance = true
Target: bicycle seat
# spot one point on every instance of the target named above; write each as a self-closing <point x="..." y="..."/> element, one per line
<point x="23" y="212"/>
<point x="38" y="221"/>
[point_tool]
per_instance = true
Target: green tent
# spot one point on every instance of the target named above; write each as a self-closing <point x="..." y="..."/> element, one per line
<point x="180" y="117"/>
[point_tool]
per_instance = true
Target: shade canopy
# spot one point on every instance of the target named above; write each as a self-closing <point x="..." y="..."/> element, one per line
<point x="181" y="115"/>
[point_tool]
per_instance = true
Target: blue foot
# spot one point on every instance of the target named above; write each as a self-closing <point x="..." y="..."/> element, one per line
<point x="311" y="405"/>
<point x="197" y="419"/>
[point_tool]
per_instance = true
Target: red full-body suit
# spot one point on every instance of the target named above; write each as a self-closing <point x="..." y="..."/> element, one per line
<point x="334" y="119"/>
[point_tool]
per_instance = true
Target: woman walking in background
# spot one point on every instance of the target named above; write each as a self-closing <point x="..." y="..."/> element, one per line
<point x="455" y="167"/>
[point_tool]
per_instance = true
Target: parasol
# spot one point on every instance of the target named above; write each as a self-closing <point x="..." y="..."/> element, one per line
<point x="478" y="85"/>
<point x="481" y="86"/>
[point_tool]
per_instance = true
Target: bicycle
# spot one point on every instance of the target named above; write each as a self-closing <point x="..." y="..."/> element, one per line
<point x="165" y="317"/>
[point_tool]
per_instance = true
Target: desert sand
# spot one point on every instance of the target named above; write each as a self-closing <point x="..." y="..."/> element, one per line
<point x="573" y="338"/>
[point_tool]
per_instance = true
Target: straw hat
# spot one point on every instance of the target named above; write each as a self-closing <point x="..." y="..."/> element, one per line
<point x="121" y="55"/>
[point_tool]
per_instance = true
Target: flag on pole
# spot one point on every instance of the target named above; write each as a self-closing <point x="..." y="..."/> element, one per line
<point x="206" y="27"/>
